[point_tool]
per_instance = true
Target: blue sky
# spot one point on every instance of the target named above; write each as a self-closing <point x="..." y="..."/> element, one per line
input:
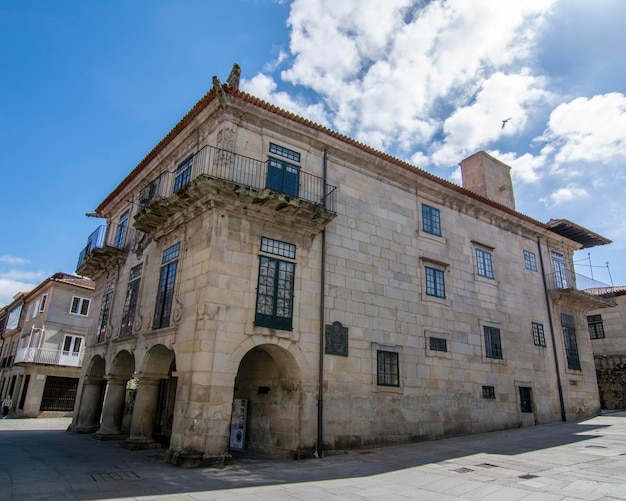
<point x="87" y="88"/>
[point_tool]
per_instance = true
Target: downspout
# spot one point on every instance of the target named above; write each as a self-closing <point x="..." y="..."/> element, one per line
<point x="554" y="352"/>
<point x="320" y="391"/>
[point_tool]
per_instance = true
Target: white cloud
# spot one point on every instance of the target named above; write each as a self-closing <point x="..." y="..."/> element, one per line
<point x="565" y="194"/>
<point x="14" y="281"/>
<point x="13" y="260"/>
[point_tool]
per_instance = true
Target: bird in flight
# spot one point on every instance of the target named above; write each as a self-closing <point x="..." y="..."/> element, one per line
<point x="505" y="121"/>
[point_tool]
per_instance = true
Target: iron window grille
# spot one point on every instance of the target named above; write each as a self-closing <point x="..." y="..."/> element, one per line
<point x="483" y="263"/>
<point x="569" y="339"/>
<point x="493" y="343"/>
<point x="387" y="373"/>
<point x="285" y="152"/>
<point x="489" y="392"/>
<point x="431" y="220"/>
<point x="539" y="337"/>
<point x="165" y="292"/>
<point x="130" y="303"/>
<point x="59" y="394"/>
<point x="530" y="260"/>
<point x="437" y="344"/>
<point x="183" y="174"/>
<point x="525" y="399"/>
<point x="435" y="283"/>
<point x="596" y="327"/>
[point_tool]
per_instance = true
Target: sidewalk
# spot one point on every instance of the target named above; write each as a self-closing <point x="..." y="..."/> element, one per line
<point x="564" y="461"/>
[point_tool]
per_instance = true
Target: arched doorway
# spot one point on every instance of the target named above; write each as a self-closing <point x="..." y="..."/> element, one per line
<point x="268" y="380"/>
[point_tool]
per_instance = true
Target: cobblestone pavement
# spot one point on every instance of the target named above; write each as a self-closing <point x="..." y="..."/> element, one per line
<point x="583" y="460"/>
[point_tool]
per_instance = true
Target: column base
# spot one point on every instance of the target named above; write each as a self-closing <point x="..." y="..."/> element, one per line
<point x="140" y="444"/>
<point x="83" y="429"/>
<point x="106" y="437"/>
<point x="196" y="459"/>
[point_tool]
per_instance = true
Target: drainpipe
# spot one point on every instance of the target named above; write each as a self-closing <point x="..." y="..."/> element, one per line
<point x="554" y="352"/>
<point x="320" y="391"/>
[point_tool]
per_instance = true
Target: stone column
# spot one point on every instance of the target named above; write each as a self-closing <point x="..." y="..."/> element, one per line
<point x="144" y="414"/>
<point x="88" y="417"/>
<point x="112" y="410"/>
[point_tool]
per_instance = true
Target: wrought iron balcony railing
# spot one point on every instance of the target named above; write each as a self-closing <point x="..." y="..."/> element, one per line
<point x="569" y="280"/>
<point x="48" y="357"/>
<point x="118" y="236"/>
<point x="216" y="163"/>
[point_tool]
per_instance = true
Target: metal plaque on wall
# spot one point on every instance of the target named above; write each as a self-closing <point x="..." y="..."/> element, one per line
<point x="336" y="339"/>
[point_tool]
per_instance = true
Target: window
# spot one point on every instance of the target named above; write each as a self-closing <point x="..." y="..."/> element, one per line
<point x="165" y="292"/>
<point x="105" y="310"/>
<point x="525" y="399"/>
<point x="285" y="152"/>
<point x="122" y="226"/>
<point x="489" y="392"/>
<point x="431" y="220"/>
<point x="569" y="338"/>
<point x="435" y="285"/>
<point x="437" y="344"/>
<point x="42" y="305"/>
<point x="387" y="373"/>
<point x="493" y="344"/>
<point x="483" y="263"/>
<point x="183" y="174"/>
<point x="130" y="303"/>
<point x="14" y="317"/>
<point x="530" y="261"/>
<point x="274" y="302"/>
<point x="539" y="337"/>
<point x="596" y="328"/>
<point x="283" y="177"/>
<point x="80" y="306"/>
<point x="560" y="270"/>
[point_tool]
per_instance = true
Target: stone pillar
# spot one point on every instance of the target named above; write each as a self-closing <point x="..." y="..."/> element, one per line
<point x="144" y="414"/>
<point x="88" y="417"/>
<point x="112" y="410"/>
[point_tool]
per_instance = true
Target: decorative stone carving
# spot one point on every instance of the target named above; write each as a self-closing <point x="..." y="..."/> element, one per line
<point x="233" y="78"/>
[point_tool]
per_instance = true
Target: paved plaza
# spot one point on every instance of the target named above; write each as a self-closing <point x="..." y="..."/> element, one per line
<point x="583" y="460"/>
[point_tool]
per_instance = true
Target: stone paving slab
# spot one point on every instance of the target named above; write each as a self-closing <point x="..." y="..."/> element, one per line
<point x="584" y="460"/>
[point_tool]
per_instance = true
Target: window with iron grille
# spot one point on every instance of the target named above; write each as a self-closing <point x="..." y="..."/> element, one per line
<point x="437" y="344"/>
<point x="183" y="174"/>
<point x="284" y="152"/>
<point x="493" y="343"/>
<point x="165" y="292"/>
<point x="539" y="337"/>
<point x="596" y="327"/>
<point x="483" y="263"/>
<point x="569" y="339"/>
<point x="59" y="394"/>
<point x="489" y="392"/>
<point x="530" y="261"/>
<point x="105" y="310"/>
<point x="387" y="372"/>
<point x="130" y="303"/>
<point x="525" y="399"/>
<point x="80" y="306"/>
<point x="435" y="284"/>
<point x="431" y="220"/>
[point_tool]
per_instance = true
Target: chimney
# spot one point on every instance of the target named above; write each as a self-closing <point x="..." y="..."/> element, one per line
<point x="488" y="177"/>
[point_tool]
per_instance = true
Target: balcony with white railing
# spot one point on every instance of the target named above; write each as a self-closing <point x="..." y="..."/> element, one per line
<point x="107" y="245"/>
<point x="275" y="189"/>
<point x="48" y="356"/>
<point x="567" y="285"/>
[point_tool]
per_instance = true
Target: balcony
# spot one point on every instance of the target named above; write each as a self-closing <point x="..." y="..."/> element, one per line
<point x="107" y="246"/>
<point x="578" y="290"/>
<point x="274" y="190"/>
<point x="48" y="357"/>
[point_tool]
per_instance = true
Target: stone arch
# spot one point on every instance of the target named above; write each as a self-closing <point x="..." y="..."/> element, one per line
<point x="269" y="382"/>
<point x="123" y="365"/>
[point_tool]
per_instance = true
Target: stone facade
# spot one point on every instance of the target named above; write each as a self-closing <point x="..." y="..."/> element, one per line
<point x="283" y="235"/>
<point x="42" y="349"/>
<point x="607" y="330"/>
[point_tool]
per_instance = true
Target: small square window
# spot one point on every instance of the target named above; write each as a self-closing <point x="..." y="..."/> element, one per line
<point x="387" y="368"/>
<point x="530" y="261"/>
<point x="489" y="392"/>
<point x="596" y="327"/>
<point x="435" y="284"/>
<point x="484" y="265"/>
<point x="80" y="306"/>
<point x="539" y="337"/>
<point x="438" y="344"/>
<point x="431" y="220"/>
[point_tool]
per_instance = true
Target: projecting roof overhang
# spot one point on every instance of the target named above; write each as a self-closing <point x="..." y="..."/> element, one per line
<point x="583" y="236"/>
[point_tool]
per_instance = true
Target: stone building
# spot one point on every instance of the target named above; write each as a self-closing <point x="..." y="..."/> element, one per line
<point x="43" y="340"/>
<point x="607" y="330"/>
<point x="265" y="282"/>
